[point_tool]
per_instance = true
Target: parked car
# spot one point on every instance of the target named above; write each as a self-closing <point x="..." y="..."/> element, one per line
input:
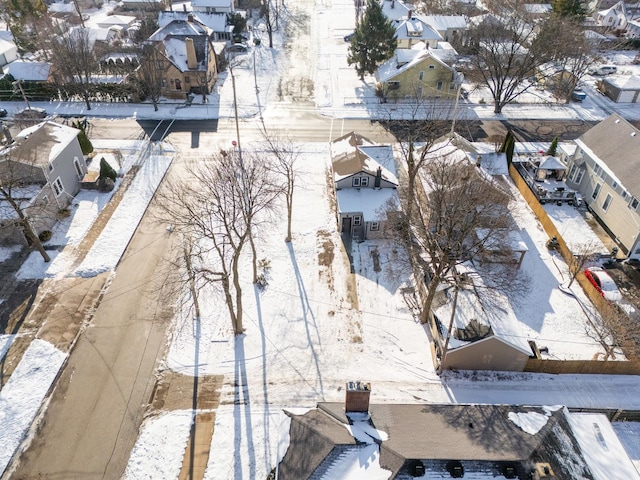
<point x="578" y="95"/>
<point x="238" y="48"/>
<point x="603" y="283"/>
<point x="603" y="70"/>
<point x="3" y="113"/>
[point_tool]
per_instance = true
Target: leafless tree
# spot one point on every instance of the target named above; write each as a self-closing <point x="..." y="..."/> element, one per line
<point x="582" y="254"/>
<point x="215" y="208"/>
<point x="74" y="61"/>
<point x="151" y="72"/>
<point x="22" y="188"/>
<point x="615" y="331"/>
<point x="502" y="53"/>
<point x="285" y="155"/>
<point x="570" y="53"/>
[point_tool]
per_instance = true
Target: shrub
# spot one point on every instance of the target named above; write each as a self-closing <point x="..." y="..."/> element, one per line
<point x="45" y="235"/>
<point x="107" y="171"/>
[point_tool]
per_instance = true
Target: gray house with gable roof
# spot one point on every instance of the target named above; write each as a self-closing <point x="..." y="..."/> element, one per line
<point x="605" y="169"/>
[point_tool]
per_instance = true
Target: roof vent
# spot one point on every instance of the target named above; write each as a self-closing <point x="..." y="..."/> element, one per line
<point x="455" y="469"/>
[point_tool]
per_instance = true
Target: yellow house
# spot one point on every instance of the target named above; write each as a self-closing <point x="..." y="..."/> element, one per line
<point x="416" y="74"/>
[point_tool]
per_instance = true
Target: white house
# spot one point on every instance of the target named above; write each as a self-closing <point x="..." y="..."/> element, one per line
<point x="365" y="182"/>
<point x="614" y="18"/>
<point x="213" y="6"/>
<point x="8" y="52"/>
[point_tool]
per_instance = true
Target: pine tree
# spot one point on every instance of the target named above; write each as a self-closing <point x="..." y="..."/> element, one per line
<point x="569" y="8"/>
<point x="553" y="148"/>
<point x="508" y="146"/>
<point x="85" y="144"/>
<point x="373" y="42"/>
<point x="106" y="170"/>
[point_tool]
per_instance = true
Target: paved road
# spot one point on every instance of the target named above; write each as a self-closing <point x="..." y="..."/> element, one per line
<point x="95" y="412"/>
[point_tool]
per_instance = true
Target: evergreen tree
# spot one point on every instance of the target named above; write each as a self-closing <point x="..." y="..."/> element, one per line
<point x="508" y="146"/>
<point x="106" y="170"/>
<point x="85" y="144"/>
<point x="569" y="8"/>
<point x="553" y="148"/>
<point x="373" y="42"/>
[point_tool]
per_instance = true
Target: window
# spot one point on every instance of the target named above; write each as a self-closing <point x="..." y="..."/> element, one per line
<point x="45" y="201"/>
<point x="596" y="191"/>
<point x="159" y="65"/>
<point x="624" y="194"/>
<point x="421" y="76"/>
<point x="364" y="181"/>
<point x="607" y="202"/>
<point x="375" y="226"/>
<point x="439" y="85"/>
<point x="357" y="220"/>
<point x="76" y="163"/>
<point x="575" y="174"/>
<point x="178" y="84"/>
<point x="598" y="170"/>
<point x="355" y="181"/>
<point x="432" y="67"/>
<point x="57" y="187"/>
<point x="163" y="83"/>
<point x="634" y="203"/>
<point x="51" y="167"/>
<point x="393" y="85"/>
<point x="614" y="184"/>
<point x="452" y="86"/>
<point x="187" y="80"/>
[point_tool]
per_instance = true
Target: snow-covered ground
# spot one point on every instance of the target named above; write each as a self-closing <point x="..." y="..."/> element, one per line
<point x="315" y="326"/>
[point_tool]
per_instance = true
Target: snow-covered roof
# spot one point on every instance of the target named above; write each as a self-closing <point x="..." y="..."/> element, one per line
<point x="493" y="163"/>
<point x="601" y="447"/>
<point x="624" y="82"/>
<point x="396" y="9"/>
<point x="445" y="22"/>
<point x="552" y="163"/>
<point x="179" y="28"/>
<point x="538" y="8"/>
<point x="368" y="201"/>
<point x="29" y="71"/>
<point x="7" y="46"/>
<point x="62" y="7"/>
<point x="212" y="3"/>
<point x="120" y="20"/>
<point x="414" y="28"/>
<point x="353" y="153"/>
<point x="403" y="60"/>
<point x="43" y="142"/>
<point x="498" y="316"/>
<point x="217" y="22"/>
<point x="6" y="35"/>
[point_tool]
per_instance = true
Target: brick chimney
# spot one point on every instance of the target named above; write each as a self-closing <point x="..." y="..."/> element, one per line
<point x="190" y="18"/>
<point x="192" y="62"/>
<point x="357" y="397"/>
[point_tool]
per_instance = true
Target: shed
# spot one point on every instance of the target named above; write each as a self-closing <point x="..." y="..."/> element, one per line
<point x="622" y="89"/>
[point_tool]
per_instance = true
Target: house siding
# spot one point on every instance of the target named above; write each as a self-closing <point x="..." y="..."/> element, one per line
<point x="347" y="182"/>
<point x="619" y="218"/>
<point x="487" y="354"/>
<point x="410" y="83"/>
<point x="64" y="168"/>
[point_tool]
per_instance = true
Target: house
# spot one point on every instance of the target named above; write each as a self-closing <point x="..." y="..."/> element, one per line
<point x="30" y="71"/>
<point x="365" y="182"/>
<point x="8" y="52"/>
<point x="621" y="89"/>
<point x="213" y="6"/>
<point x="449" y="27"/>
<point x="614" y="18"/>
<point x="604" y="169"/>
<point x="358" y="439"/>
<point x="556" y="77"/>
<point x="485" y="333"/>
<point x="412" y="30"/>
<point x="46" y="165"/>
<point x="124" y="26"/>
<point x="188" y="62"/>
<point x="538" y="10"/>
<point x="417" y="74"/>
<point x="219" y="28"/>
<point x="633" y="29"/>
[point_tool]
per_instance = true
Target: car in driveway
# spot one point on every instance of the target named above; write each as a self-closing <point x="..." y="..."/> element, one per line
<point x="603" y="282"/>
<point x="3" y="113"/>
<point x="578" y="95"/>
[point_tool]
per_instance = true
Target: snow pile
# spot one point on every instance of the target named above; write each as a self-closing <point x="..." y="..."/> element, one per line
<point x="155" y="455"/>
<point x="110" y="245"/>
<point x="529" y="422"/>
<point x="21" y="397"/>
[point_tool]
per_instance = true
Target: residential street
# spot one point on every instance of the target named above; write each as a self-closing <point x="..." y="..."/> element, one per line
<point x="95" y="412"/>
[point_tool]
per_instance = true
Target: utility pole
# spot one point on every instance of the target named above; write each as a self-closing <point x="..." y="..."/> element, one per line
<point x="19" y="84"/>
<point x="235" y="108"/>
